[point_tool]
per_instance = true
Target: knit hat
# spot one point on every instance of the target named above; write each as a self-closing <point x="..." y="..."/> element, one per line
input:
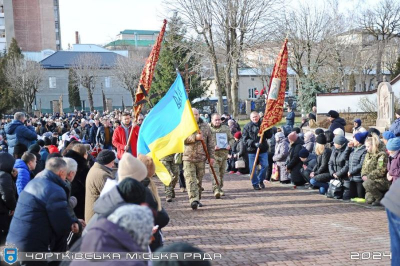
<point x="296" y="129"/>
<point x="303" y="153"/>
<point x="137" y="221"/>
<point x="19" y="149"/>
<point x="329" y="136"/>
<point x="105" y="157"/>
<point x="40" y="142"/>
<point x="237" y="135"/>
<point x="132" y="191"/>
<point x="319" y="131"/>
<point x="279" y="135"/>
<point x="312" y="116"/>
<point x="340" y="140"/>
<point x="361" y="136"/>
<point x="34" y="148"/>
<point x="393" y="144"/>
<point x="292" y="137"/>
<point x="339" y="132"/>
<point x="333" y="114"/>
<point x="7" y="162"/>
<point x="388" y="135"/>
<point x="373" y="130"/>
<point x="358" y="121"/>
<point x="321" y="139"/>
<point x="398" y="111"/>
<point x="130" y="166"/>
<point x="149" y="163"/>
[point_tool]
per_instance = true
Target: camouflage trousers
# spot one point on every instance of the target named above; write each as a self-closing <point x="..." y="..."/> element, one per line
<point x="173" y="170"/>
<point x="194" y="173"/>
<point x="220" y="169"/>
<point x="375" y="190"/>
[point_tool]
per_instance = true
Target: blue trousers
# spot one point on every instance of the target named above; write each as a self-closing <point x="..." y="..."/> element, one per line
<point x="323" y="187"/>
<point x="394" y="232"/>
<point x="259" y="176"/>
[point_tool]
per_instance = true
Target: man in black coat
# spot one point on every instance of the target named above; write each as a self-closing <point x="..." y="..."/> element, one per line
<point x="42" y="213"/>
<point x="337" y="122"/>
<point x="252" y="142"/>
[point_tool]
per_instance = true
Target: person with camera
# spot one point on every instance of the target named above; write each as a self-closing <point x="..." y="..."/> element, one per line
<point x="18" y="132"/>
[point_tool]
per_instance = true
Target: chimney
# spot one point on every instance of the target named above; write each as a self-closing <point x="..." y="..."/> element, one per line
<point x="76" y="37"/>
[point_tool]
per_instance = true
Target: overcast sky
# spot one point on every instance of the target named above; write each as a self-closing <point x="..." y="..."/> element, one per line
<point x="99" y="21"/>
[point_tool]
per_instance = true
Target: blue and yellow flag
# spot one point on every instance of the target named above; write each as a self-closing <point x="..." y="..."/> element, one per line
<point x="166" y="127"/>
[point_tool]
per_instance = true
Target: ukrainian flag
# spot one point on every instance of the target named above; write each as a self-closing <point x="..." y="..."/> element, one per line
<point x="166" y="127"/>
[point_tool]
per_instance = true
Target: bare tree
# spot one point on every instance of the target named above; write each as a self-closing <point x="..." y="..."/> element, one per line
<point x="24" y="77"/>
<point x="87" y="67"/>
<point x="128" y="71"/>
<point x="382" y="22"/>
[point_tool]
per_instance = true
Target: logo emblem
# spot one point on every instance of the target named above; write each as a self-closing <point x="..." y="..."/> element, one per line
<point x="10" y="254"/>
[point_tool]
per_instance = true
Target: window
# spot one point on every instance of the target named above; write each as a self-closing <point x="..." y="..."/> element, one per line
<point x="251" y="93"/>
<point x="52" y="82"/>
<point x="108" y="82"/>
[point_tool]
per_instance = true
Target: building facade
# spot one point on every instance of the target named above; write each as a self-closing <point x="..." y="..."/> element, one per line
<point x="35" y="24"/>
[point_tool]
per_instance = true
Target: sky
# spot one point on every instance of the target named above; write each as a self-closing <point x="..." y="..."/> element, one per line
<point x="99" y="21"/>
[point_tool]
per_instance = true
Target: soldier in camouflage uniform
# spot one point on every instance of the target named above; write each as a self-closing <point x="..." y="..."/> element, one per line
<point x="194" y="159"/>
<point x="373" y="172"/>
<point x="173" y="169"/>
<point x="221" y="153"/>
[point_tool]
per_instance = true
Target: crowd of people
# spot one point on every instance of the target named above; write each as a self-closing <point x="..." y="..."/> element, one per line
<point x="75" y="182"/>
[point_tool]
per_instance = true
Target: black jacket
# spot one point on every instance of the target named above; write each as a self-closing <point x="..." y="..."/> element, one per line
<point x="321" y="169"/>
<point x="355" y="162"/>
<point x="337" y="162"/>
<point x="337" y="123"/>
<point x="78" y="186"/>
<point x="100" y="136"/>
<point x="294" y="163"/>
<point x="8" y="190"/>
<point x="250" y="137"/>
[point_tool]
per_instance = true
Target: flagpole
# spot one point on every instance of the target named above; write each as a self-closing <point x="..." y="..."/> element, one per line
<point x="255" y="160"/>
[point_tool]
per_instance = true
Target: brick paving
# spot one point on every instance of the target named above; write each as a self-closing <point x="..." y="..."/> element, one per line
<point x="277" y="226"/>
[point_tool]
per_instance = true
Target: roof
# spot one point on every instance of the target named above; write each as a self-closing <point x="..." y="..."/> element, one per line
<point x="66" y="59"/>
<point x="141" y="43"/>
<point x="140" y="32"/>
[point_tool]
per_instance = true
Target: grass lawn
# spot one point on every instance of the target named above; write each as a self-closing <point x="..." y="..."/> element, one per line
<point x="297" y="121"/>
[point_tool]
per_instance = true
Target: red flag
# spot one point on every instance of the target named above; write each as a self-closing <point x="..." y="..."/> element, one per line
<point x="276" y="95"/>
<point x="148" y="71"/>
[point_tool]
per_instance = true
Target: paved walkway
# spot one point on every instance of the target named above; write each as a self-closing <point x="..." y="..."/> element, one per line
<point x="278" y="226"/>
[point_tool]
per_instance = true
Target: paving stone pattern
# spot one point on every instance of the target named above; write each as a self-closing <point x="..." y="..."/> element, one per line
<point x="279" y="225"/>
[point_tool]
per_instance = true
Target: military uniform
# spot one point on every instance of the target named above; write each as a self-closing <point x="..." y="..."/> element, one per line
<point x="173" y="169"/>
<point x="374" y="168"/>
<point x="221" y="156"/>
<point x="194" y="159"/>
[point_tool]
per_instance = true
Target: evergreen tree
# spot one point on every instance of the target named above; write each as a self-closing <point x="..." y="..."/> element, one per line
<point x="396" y="69"/>
<point x="308" y="94"/>
<point x="14" y="52"/>
<point x="175" y="52"/>
<point x="74" y="98"/>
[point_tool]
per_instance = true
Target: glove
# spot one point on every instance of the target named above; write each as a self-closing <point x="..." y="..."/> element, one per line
<point x="257" y="144"/>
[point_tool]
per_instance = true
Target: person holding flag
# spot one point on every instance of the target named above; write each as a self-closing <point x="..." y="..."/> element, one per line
<point x="121" y="136"/>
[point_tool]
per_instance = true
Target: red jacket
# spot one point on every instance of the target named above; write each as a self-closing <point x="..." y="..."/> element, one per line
<point x="53" y="149"/>
<point x="119" y="140"/>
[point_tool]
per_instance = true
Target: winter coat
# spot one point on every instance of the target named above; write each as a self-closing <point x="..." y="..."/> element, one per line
<point x="17" y="132"/>
<point x="337" y="123"/>
<point x="374" y="167"/>
<point x="290" y="118"/>
<point x="84" y="133"/>
<point x="53" y="149"/>
<point x="41" y="214"/>
<point x="250" y="137"/>
<point x="8" y="190"/>
<point x="105" y="236"/>
<point x="337" y="162"/>
<point x="194" y="151"/>
<point x="221" y="154"/>
<point x="280" y="157"/>
<point x="93" y="133"/>
<point x="393" y="166"/>
<point x="101" y="136"/>
<point x="78" y="188"/>
<point x="395" y="127"/>
<point x="321" y="169"/>
<point x="40" y="164"/>
<point x="294" y="163"/>
<point x="240" y="150"/>
<point x="358" y="130"/>
<point x="309" y="142"/>
<point x="24" y="175"/>
<point x="391" y="199"/>
<point x="95" y="181"/>
<point x="44" y="152"/>
<point x="310" y="164"/>
<point x="355" y="162"/>
<point x="119" y="140"/>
